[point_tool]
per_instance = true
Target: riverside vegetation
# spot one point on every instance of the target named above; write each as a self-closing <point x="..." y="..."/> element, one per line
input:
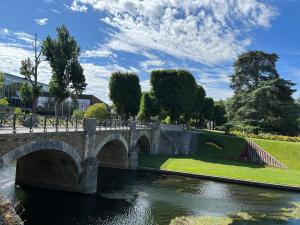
<point x="211" y="160"/>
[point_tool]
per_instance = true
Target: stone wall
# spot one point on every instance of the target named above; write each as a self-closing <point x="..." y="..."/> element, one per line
<point x="178" y="143"/>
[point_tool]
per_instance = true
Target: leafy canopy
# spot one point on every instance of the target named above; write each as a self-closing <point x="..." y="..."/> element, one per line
<point x="125" y="93"/>
<point x="63" y="55"/>
<point x="148" y="107"/>
<point x="175" y="92"/>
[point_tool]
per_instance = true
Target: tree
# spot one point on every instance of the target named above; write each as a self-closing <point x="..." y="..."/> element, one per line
<point x="220" y="113"/>
<point x="29" y="69"/>
<point x="2" y="81"/>
<point x="3" y="101"/>
<point x="125" y="93"/>
<point x="67" y="74"/>
<point x="270" y="108"/>
<point x="198" y="103"/>
<point x="26" y="93"/>
<point x="147" y="107"/>
<point x="262" y="100"/>
<point x="251" y="68"/>
<point x="208" y="108"/>
<point x="96" y="111"/>
<point x="175" y="92"/>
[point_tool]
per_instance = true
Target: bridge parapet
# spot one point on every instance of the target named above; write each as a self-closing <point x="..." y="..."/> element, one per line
<point x="65" y="157"/>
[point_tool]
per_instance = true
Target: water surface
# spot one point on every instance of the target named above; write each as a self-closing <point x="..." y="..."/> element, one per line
<point x="136" y="198"/>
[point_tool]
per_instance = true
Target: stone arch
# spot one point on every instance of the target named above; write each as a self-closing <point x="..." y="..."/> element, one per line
<point x="35" y="146"/>
<point x="113" y="152"/>
<point x="143" y="144"/>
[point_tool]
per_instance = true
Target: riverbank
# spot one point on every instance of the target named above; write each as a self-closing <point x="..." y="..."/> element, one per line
<point x="223" y="179"/>
<point x="223" y="170"/>
<point x="8" y="215"/>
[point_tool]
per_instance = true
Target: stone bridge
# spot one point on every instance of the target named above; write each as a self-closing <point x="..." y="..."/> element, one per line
<point x="69" y="161"/>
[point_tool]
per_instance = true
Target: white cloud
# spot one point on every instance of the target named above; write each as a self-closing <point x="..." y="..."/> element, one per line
<point x="78" y="7"/>
<point x="97" y="53"/>
<point x="205" y="31"/>
<point x="146" y="65"/>
<point x="55" y="11"/>
<point x="42" y="21"/>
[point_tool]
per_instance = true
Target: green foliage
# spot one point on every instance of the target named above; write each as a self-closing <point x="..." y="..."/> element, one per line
<point x="262" y="101"/>
<point x="220" y="113"/>
<point x="199" y="103"/>
<point x="17" y="111"/>
<point x="2" y="80"/>
<point x="78" y="113"/>
<point x="175" y="92"/>
<point x="3" y="102"/>
<point x="267" y="136"/>
<point x="67" y="74"/>
<point x="148" y="107"/>
<point x="29" y="69"/>
<point x="26" y="94"/>
<point x="96" y="111"/>
<point x="251" y="68"/>
<point x="125" y="93"/>
<point x="208" y="108"/>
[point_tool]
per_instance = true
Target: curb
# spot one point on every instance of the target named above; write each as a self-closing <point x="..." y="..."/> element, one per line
<point x="222" y="179"/>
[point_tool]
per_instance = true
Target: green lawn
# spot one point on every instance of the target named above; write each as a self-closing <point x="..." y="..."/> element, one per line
<point x="218" y="162"/>
<point x="286" y="152"/>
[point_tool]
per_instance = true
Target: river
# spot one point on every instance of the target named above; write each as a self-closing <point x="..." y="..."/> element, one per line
<point x="136" y="198"/>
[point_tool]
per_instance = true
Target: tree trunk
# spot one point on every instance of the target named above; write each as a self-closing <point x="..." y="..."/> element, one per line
<point x="58" y="108"/>
<point x="34" y="105"/>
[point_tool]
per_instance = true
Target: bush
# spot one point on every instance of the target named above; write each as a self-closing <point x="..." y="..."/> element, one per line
<point x="18" y="111"/>
<point x="267" y="136"/>
<point x="3" y="102"/>
<point x="78" y="113"/>
<point x="96" y="111"/>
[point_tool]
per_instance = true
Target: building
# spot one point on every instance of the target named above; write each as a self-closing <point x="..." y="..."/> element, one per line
<point x="46" y="103"/>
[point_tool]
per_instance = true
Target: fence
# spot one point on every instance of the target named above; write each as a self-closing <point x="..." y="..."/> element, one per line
<point x="256" y="154"/>
<point x="29" y="123"/>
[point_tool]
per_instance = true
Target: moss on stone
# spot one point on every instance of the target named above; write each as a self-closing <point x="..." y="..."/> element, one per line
<point x="201" y="220"/>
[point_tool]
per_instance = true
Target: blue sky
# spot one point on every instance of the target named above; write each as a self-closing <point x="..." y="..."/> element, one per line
<point x="203" y="36"/>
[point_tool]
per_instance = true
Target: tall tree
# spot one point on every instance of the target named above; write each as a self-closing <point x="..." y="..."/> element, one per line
<point x="174" y="91"/>
<point x="220" y="113"/>
<point x="198" y="103"/>
<point x="2" y="81"/>
<point x="67" y="74"/>
<point x="251" y="68"/>
<point x="125" y="93"/>
<point x="148" y="107"/>
<point x="270" y="108"/>
<point x="29" y="69"/>
<point x="262" y="100"/>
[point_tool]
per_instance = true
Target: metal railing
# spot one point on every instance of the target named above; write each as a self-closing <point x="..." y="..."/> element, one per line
<point x="22" y="123"/>
<point x="29" y="123"/>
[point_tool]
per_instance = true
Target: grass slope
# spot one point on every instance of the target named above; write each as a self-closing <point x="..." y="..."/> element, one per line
<point x="217" y="162"/>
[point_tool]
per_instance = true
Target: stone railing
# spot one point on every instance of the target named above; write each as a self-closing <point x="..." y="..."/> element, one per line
<point x="257" y="154"/>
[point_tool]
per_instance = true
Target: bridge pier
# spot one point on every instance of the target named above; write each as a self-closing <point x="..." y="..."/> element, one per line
<point x="89" y="176"/>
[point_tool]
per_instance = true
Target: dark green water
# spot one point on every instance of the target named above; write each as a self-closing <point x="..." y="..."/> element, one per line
<point x="128" y="197"/>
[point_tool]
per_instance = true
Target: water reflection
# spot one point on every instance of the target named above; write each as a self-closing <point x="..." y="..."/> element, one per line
<point x="128" y="197"/>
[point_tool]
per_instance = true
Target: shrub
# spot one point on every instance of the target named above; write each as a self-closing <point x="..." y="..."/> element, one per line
<point x="3" y="102"/>
<point x="267" y="136"/>
<point x="78" y="113"/>
<point x="96" y="111"/>
<point x="18" y="111"/>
